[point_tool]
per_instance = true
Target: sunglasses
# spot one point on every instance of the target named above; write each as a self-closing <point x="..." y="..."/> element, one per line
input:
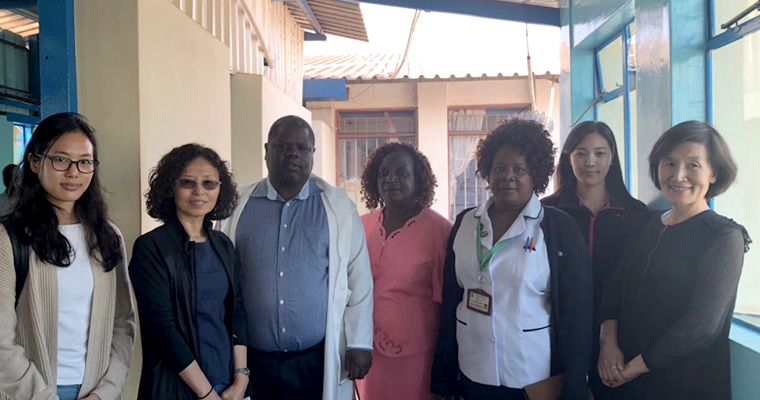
<point x="206" y="184"/>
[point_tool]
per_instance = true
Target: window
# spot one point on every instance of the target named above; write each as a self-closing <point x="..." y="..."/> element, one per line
<point x="22" y="133"/>
<point x="466" y="128"/>
<point x="615" y="84"/>
<point x="734" y="110"/>
<point x="360" y="133"/>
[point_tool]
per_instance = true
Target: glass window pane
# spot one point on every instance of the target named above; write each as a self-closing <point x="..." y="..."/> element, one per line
<point x="611" y="113"/>
<point x="465" y="190"/>
<point x="736" y="115"/>
<point x="728" y="9"/>
<point x="611" y="65"/>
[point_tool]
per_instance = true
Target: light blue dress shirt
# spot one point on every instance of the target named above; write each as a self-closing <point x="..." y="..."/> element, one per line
<point x="283" y="249"/>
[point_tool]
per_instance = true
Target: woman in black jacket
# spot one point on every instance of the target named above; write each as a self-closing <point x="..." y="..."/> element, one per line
<point x="517" y="289"/>
<point x="592" y="191"/>
<point x="186" y="283"/>
<point x="667" y="310"/>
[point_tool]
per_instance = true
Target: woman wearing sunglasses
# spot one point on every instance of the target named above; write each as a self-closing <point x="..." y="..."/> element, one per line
<point x="68" y="332"/>
<point x="186" y="283"/>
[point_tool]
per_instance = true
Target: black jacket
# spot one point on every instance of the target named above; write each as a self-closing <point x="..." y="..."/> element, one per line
<point x="163" y="276"/>
<point x="606" y="234"/>
<point x="571" y="288"/>
<point x="673" y="299"/>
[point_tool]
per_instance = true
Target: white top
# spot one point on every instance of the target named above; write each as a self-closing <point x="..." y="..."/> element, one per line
<point x="512" y="346"/>
<point x="75" y="288"/>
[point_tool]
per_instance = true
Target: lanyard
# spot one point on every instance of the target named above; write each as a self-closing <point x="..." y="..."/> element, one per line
<point x="483" y="261"/>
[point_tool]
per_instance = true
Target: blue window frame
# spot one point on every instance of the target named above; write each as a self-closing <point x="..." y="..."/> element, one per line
<point x="614" y="81"/>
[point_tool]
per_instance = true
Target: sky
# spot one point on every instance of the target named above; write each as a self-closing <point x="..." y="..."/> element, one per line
<point x="450" y="42"/>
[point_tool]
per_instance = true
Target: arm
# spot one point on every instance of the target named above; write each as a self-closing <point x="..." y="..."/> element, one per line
<point x="446" y="362"/>
<point x="236" y="391"/>
<point x="611" y="361"/>
<point x="150" y="278"/>
<point x="576" y="311"/>
<point x="440" y="263"/>
<point x="123" y="341"/>
<point x="712" y="301"/>
<point x="19" y="377"/>
<point x="357" y="318"/>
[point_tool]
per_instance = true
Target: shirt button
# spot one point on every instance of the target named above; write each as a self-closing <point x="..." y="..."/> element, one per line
<point x="284" y="330"/>
<point x="282" y="248"/>
<point x="282" y="273"/>
<point x="282" y="301"/>
<point x="285" y="226"/>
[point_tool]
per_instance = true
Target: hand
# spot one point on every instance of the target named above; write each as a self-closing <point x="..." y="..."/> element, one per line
<point x="236" y="391"/>
<point x="634" y="368"/>
<point x="610" y="365"/>
<point x="91" y="396"/>
<point x="358" y="363"/>
<point x="213" y="396"/>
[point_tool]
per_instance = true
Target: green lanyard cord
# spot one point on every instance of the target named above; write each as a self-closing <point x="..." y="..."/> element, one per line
<point x="484" y="260"/>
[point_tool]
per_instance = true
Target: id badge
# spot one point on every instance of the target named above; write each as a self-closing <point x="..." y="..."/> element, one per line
<point x="480" y="301"/>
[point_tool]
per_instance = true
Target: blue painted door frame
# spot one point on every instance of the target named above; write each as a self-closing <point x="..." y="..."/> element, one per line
<point x="58" y="69"/>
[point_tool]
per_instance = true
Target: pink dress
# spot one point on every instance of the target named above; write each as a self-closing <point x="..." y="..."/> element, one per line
<point x="407" y="268"/>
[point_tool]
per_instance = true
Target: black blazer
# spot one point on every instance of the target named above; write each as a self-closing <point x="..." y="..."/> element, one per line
<point x="571" y="299"/>
<point x="163" y="276"/>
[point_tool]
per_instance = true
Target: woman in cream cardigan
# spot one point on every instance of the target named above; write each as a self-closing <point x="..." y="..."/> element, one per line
<point x="72" y="333"/>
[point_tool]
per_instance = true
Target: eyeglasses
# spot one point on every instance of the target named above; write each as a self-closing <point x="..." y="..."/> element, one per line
<point x="206" y="184"/>
<point x="61" y="163"/>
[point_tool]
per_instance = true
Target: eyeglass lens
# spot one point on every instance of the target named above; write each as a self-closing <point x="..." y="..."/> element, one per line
<point x="206" y="184"/>
<point x="61" y="163"/>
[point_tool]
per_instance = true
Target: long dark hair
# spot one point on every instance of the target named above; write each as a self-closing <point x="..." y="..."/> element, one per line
<point x="34" y="216"/>
<point x="568" y="182"/>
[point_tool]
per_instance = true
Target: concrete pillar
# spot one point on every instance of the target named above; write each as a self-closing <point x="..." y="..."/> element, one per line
<point x="432" y="113"/>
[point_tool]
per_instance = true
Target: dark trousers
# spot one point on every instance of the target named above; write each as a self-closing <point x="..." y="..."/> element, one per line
<point x="294" y="375"/>
<point x="476" y="391"/>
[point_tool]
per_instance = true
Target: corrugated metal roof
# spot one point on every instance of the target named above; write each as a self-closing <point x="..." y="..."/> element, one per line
<point x="336" y="17"/>
<point x="18" y="24"/>
<point x="382" y="67"/>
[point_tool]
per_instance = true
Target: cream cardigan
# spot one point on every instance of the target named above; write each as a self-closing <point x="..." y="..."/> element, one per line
<point x="28" y="339"/>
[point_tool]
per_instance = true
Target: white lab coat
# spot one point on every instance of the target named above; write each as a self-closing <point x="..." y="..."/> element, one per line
<point x="349" y="313"/>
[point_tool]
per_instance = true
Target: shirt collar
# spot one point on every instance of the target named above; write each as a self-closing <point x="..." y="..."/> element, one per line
<point x="266" y="189"/>
<point x="531" y="210"/>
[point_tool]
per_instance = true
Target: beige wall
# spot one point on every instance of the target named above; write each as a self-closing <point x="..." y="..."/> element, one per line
<point x="324" y="156"/>
<point x="432" y="99"/>
<point x="251" y="119"/>
<point x="184" y="87"/>
<point x="108" y="95"/>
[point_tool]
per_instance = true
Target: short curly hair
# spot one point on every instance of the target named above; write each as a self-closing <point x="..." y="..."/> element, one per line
<point x="528" y="137"/>
<point x="423" y="175"/>
<point x="160" y="195"/>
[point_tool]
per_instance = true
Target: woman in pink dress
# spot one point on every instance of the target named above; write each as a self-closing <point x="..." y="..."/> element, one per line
<point x="407" y="249"/>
